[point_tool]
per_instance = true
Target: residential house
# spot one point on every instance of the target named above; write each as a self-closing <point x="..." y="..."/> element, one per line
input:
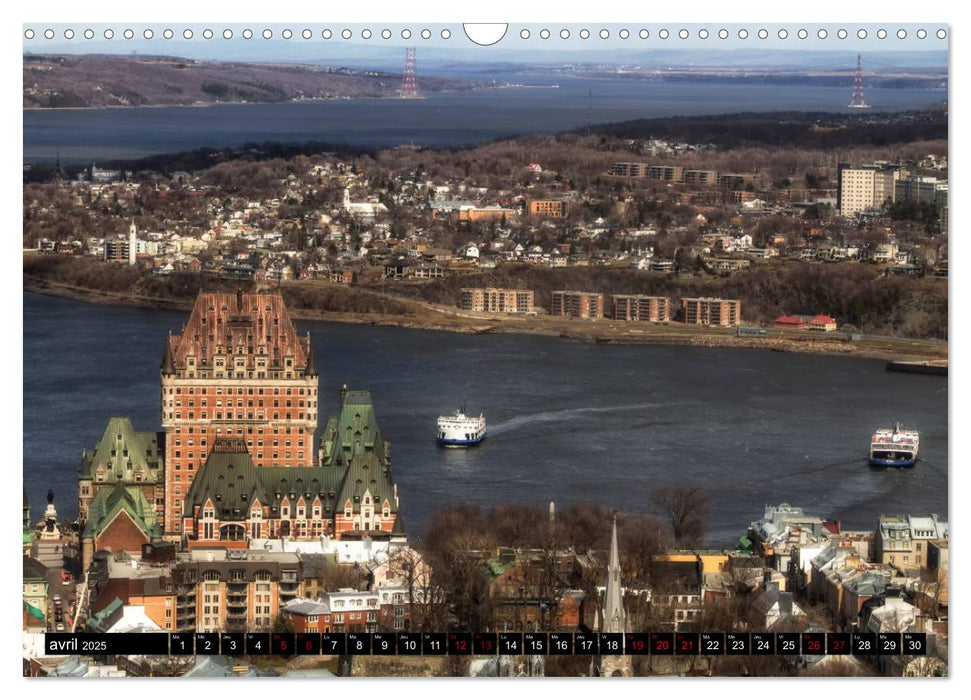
<point x="776" y="609"/>
<point x="822" y="323"/>
<point x="904" y="541"/>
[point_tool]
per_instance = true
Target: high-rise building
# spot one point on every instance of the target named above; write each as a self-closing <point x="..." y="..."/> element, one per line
<point x="921" y="189"/>
<point x="237" y="370"/>
<point x="865" y="187"/>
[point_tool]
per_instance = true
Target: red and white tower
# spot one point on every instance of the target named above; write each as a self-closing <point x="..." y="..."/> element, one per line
<point x="857" y="101"/>
<point x="409" y="88"/>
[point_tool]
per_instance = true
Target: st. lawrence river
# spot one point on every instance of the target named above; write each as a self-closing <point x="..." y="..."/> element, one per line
<point x="567" y="421"/>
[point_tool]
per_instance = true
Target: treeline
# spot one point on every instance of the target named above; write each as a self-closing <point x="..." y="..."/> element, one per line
<point x="788" y="129"/>
<point x="458" y="542"/>
<point x="114" y="278"/>
<point x="340" y="299"/>
<point x="859" y="295"/>
<point x="201" y="159"/>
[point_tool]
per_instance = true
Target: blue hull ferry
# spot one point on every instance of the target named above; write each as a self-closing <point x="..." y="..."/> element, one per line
<point x="894" y="447"/>
<point x="460" y="430"/>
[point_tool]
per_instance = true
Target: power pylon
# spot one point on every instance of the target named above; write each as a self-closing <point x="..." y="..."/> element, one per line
<point x="409" y="88"/>
<point x="857" y="101"/>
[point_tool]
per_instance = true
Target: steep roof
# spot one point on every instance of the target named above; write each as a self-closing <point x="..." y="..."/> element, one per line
<point x="356" y="460"/>
<point x="357" y="444"/>
<point x="231" y="481"/>
<point x="234" y="325"/>
<point x="109" y="502"/>
<point x="33" y="569"/>
<point x="123" y="453"/>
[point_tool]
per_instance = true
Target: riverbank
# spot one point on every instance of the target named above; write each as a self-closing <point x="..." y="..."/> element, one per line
<point x="427" y="316"/>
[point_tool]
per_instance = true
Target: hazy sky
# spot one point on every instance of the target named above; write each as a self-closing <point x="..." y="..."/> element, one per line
<point x="564" y="43"/>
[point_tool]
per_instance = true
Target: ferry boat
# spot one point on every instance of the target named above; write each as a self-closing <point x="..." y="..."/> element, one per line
<point x="894" y="447"/>
<point x="460" y="430"/>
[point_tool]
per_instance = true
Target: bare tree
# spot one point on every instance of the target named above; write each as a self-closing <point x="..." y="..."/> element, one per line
<point x="455" y="547"/>
<point x="686" y="508"/>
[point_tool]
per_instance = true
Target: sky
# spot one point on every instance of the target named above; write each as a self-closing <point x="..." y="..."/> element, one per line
<point x="381" y="43"/>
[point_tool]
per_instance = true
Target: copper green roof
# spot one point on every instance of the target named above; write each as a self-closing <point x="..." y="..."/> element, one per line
<point x="356" y="460"/>
<point x="124" y="453"/>
<point x="357" y="444"/>
<point x="231" y="481"/>
<point x="111" y="501"/>
<point x="36" y="612"/>
<point x="97" y="620"/>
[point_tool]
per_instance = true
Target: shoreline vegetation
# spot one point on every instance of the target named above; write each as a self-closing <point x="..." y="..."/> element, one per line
<point x="89" y="81"/>
<point x="417" y="315"/>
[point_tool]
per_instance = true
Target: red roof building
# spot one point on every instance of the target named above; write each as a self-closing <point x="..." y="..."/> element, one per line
<point x="791" y="322"/>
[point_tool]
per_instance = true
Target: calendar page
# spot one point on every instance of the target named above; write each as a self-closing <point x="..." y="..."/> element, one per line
<point x="532" y="349"/>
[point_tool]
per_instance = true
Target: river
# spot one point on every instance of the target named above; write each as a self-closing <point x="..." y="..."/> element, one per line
<point x="568" y="421"/>
<point x="440" y="120"/>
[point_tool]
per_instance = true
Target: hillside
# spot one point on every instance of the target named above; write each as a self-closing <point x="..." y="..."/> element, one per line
<point x="790" y="129"/>
<point x="132" y="81"/>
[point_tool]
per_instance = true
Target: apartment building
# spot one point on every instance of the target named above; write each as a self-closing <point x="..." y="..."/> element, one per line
<point x="707" y="311"/>
<point x="577" y="304"/>
<point x="495" y="300"/>
<point x="865" y="187"/>
<point x="640" y="307"/>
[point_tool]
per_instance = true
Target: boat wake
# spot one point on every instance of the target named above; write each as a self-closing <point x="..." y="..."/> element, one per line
<point x="562" y="416"/>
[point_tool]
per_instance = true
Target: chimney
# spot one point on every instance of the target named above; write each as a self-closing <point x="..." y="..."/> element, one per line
<point x="785" y="604"/>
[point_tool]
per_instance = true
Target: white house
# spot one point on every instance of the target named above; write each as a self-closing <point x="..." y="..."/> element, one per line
<point x="362" y="210"/>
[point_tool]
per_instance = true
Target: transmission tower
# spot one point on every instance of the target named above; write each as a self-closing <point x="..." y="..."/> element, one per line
<point x="857" y="101"/>
<point x="409" y="89"/>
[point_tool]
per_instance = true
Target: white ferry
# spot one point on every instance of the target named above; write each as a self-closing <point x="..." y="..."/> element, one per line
<point x="894" y="447"/>
<point x="460" y="430"/>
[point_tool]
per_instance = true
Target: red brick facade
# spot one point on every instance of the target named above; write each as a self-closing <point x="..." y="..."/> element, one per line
<point x="238" y="369"/>
<point x="121" y="535"/>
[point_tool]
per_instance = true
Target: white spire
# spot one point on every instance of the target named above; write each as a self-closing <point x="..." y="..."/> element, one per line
<point x="614" y="619"/>
<point x="132" y="244"/>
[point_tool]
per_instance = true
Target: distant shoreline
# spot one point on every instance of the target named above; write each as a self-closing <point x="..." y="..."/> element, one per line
<point x="198" y="105"/>
<point x="568" y="329"/>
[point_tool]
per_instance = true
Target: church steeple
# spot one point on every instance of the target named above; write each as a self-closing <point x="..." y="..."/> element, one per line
<point x="614" y="619"/>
